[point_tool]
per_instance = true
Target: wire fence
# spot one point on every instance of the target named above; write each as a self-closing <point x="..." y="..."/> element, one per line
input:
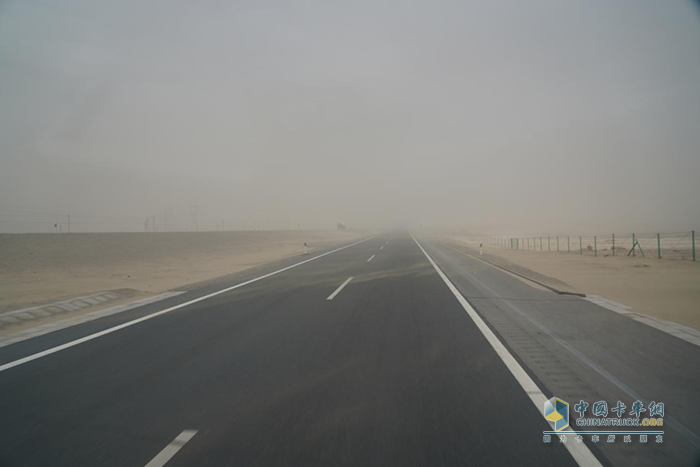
<point x="671" y="245"/>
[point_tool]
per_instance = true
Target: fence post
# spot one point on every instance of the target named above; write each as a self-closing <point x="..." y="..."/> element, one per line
<point x="549" y="244"/>
<point x="540" y="243"/>
<point x="658" y="244"/>
<point x="595" y="245"/>
<point x="580" y="244"/>
<point x="634" y="246"/>
<point x="693" y="245"/>
<point x="613" y="244"/>
<point x="568" y="244"/>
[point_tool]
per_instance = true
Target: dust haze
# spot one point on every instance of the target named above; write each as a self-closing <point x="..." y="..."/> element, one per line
<point x="489" y="116"/>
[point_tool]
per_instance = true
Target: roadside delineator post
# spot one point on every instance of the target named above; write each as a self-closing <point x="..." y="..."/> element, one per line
<point x="658" y="244"/>
<point x="306" y="251"/>
<point x="549" y="244"/>
<point x="613" y="245"/>
<point x="580" y="244"/>
<point x="595" y="245"/>
<point x="693" y="235"/>
<point x="481" y="249"/>
<point x="568" y="244"/>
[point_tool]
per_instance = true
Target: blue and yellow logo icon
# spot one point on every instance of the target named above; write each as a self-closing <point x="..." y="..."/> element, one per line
<point x="557" y="411"/>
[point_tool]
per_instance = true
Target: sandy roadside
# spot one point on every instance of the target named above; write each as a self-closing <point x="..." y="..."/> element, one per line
<point x="664" y="288"/>
<point x="43" y="268"/>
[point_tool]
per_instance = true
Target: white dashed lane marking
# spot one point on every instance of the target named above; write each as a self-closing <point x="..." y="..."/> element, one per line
<point x="337" y="291"/>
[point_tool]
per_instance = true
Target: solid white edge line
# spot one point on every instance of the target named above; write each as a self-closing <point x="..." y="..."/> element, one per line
<point x="67" y="345"/>
<point x="579" y="451"/>
<point x="337" y="291"/>
<point x="171" y="449"/>
<point x="370" y="258"/>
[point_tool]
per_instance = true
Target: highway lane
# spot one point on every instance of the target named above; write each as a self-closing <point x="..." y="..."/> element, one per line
<point x="577" y="350"/>
<point x="390" y="372"/>
<point x="129" y="383"/>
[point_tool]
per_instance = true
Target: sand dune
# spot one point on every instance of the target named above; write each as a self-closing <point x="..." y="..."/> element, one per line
<point x="40" y="268"/>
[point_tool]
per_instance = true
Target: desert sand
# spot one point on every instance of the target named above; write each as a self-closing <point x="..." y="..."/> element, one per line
<point x="664" y="288"/>
<point x="43" y="268"/>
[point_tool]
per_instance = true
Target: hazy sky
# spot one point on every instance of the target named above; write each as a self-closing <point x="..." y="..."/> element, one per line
<point x="544" y="116"/>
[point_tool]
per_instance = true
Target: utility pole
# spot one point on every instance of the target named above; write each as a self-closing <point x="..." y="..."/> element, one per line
<point x="168" y="213"/>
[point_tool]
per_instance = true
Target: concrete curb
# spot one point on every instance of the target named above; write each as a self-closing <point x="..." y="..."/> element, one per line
<point x="21" y="316"/>
<point x="548" y="287"/>
<point x="686" y="333"/>
<point x="25" y="334"/>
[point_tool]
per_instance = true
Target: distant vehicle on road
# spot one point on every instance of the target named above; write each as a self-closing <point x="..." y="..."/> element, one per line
<point x="341" y="226"/>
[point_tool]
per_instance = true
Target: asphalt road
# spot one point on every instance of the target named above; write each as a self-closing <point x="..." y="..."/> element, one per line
<point x="391" y="371"/>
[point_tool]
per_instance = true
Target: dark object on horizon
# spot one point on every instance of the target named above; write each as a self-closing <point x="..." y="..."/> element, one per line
<point x="341" y="226"/>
